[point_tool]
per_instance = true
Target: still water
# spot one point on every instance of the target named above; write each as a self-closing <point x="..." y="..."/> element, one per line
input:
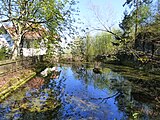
<point x="80" y="94"/>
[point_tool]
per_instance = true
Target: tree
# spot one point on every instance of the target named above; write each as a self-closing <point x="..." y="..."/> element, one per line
<point x="26" y="15"/>
<point x="89" y="50"/>
<point x="138" y="14"/>
<point x="78" y="49"/>
<point x="103" y="44"/>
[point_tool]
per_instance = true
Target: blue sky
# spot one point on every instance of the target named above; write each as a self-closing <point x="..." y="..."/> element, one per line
<point x="110" y="11"/>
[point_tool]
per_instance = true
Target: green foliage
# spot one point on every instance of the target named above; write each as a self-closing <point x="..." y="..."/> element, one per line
<point x="126" y="23"/>
<point x="4" y="53"/>
<point x="135" y="115"/>
<point x="133" y="21"/>
<point x="89" y="50"/>
<point x="91" y="46"/>
<point x="103" y="44"/>
<point x="78" y="49"/>
<point x="55" y="15"/>
<point x="1" y="31"/>
<point x="144" y="59"/>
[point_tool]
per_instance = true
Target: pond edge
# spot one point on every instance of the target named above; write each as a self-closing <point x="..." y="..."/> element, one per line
<point x="5" y="93"/>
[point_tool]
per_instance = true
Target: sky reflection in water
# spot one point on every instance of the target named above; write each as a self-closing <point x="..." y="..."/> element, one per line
<point x="80" y="95"/>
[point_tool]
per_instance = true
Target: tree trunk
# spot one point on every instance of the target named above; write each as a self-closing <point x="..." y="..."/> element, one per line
<point x="17" y="42"/>
<point x="136" y="25"/>
<point x="15" y="49"/>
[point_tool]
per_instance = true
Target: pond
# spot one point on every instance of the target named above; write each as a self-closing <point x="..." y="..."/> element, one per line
<point x="79" y="93"/>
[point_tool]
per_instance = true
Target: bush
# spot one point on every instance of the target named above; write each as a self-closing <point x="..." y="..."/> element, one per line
<point x="4" y="53"/>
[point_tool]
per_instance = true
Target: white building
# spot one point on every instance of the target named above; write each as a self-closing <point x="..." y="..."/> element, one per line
<point x="8" y="34"/>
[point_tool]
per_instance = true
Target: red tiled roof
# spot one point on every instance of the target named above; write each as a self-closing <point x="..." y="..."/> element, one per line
<point x="29" y="35"/>
<point x="34" y="35"/>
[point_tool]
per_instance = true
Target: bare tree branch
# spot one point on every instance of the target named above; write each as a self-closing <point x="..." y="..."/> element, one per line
<point x="106" y="98"/>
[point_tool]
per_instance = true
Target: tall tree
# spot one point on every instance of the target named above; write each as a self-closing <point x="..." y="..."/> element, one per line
<point x="22" y="14"/>
<point x="158" y="2"/>
<point x="138" y="14"/>
<point x="78" y="49"/>
<point x="89" y="49"/>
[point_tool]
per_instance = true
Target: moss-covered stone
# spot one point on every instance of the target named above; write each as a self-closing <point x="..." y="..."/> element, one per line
<point x="15" y="83"/>
<point x="133" y="73"/>
<point x="40" y="106"/>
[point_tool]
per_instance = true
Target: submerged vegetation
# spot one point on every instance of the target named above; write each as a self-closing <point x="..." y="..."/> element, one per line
<point x="78" y="94"/>
<point x="9" y="85"/>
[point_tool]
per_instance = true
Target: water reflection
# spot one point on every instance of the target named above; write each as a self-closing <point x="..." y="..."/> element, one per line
<point x="35" y="100"/>
<point x="79" y="93"/>
<point x="83" y="91"/>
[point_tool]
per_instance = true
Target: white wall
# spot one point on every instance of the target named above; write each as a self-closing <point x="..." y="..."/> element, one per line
<point x="6" y="40"/>
<point x="33" y="51"/>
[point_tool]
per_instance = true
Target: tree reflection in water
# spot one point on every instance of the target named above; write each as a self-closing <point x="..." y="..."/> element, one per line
<point x="79" y="93"/>
<point x="35" y="100"/>
<point x="138" y="98"/>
